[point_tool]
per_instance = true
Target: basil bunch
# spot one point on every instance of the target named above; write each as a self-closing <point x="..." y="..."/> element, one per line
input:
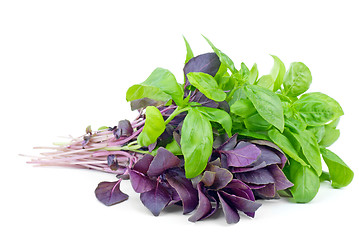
<point x="218" y="99"/>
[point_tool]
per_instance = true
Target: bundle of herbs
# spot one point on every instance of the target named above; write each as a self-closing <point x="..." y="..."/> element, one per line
<point x="221" y="140"/>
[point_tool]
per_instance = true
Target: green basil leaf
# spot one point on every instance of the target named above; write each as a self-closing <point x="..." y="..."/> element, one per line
<point x="310" y="149"/>
<point x="243" y="108"/>
<point x="277" y="73"/>
<point x="318" y="131"/>
<point x="317" y="108"/>
<point x="196" y="142"/>
<point x="138" y="91"/>
<point x="306" y="182"/>
<point x="223" y="57"/>
<point x="154" y="127"/>
<point x="266" y="81"/>
<point x="267" y="104"/>
<point x="189" y="54"/>
<point x="218" y="115"/>
<point x="297" y="79"/>
<point x="340" y="174"/>
<point x="284" y="143"/>
<point x="330" y="136"/>
<point x="253" y="74"/>
<point x="256" y="123"/>
<point x="207" y="85"/>
<point x="166" y="82"/>
<point x="174" y="148"/>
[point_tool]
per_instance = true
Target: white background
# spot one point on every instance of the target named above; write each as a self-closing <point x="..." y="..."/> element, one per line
<point x="67" y="64"/>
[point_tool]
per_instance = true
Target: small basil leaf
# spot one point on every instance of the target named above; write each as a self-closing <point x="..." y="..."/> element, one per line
<point x="223" y="57"/>
<point x="267" y="104"/>
<point x="306" y="182"/>
<point x="266" y="81"/>
<point x="253" y="74"/>
<point x="189" y="54"/>
<point x="207" y="85"/>
<point x="277" y="73"/>
<point x="139" y="91"/>
<point x="340" y="174"/>
<point x="154" y="127"/>
<point x="218" y="115"/>
<point x="196" y="142"/>
<point x="317" y="108"/>
<point x="297" y="79"/>
<point x="166" y="82"/>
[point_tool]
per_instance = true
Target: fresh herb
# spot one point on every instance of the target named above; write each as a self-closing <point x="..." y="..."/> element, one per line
<point x="223" y="139"/>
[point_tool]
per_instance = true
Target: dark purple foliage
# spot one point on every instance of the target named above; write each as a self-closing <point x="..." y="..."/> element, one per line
<point x="161" y="182"/>
<point x="257" y="163"/>
<point x="109" y="193"/>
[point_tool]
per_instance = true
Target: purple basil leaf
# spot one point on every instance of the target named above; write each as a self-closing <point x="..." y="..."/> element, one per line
<point x="109" y="193"/>
<point x="152" y="146"/>
<point x="141" y="183"/>
<point x="239" y="188"/>
<point x="112" y="162"/>
<point x="230" y="213"/>
<point x="248" y="169"/>
<point x="200" y="98"/>
<point x="281" y="181"/>
<point x="185" y="190"/>
<point x="208" y="178"/>
<point x="207" y="63"/>
<point x="143" y="164"/>
<point x="229" y="144"/>
<point x="260" y="176"/>
<point x="279" y="151"/>
<point x="163" y="160"/>
<point x="156" y="199"/>
<point x="243" y="156"/>
<point x="222" y="177"/>
<point x="125" y="127"/>
<point x="204" y="207"/>
<point x="267" y="156"/>
<point x="267" y="192"/>
<point x="242" y="204"/>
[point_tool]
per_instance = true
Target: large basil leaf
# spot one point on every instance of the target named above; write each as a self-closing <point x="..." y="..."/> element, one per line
<point x="207" y="85"/>
<point x="256" y="123"/>
<point x="284" y="143"/>
<point x="310" y="149"/>
<point x="277" y="73"/>
<point x="340" y="174"/>
<point x="266" y="81"/>
<point x="306" y="182"/>
<point x="297" y="79"/>
<point x="317" y="108"/>
<point x="223" y="57"/>
<point x="154" y="127"/>
<point x="161" y="85"/>
<point x="196" y="142"/>
<point x="218" y="115"/>
<point x="267" y="104"/>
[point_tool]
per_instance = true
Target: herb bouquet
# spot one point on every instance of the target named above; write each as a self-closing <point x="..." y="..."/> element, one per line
<point x="221" y="140"/>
